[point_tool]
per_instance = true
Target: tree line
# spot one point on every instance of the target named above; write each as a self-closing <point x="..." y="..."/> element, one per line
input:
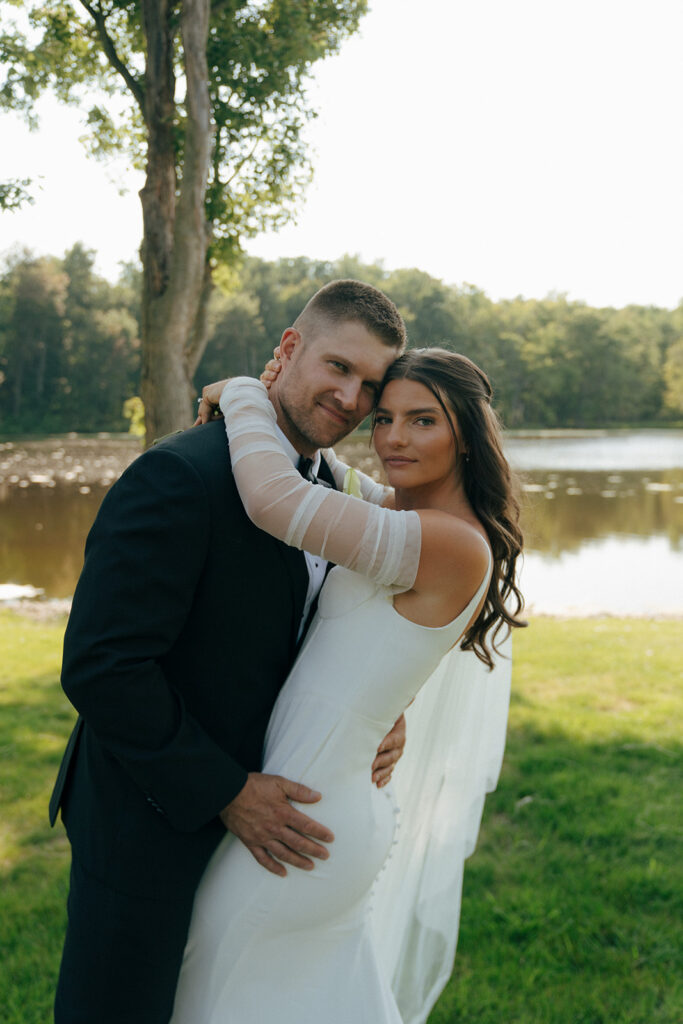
<point x="70" y="342"/>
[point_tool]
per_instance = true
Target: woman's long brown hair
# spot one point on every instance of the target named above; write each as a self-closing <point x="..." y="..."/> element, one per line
<point x="462" y="388"/>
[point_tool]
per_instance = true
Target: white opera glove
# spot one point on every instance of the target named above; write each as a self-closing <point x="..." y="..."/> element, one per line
<point x="370" y="490"/>
<point x="377" y="542"/>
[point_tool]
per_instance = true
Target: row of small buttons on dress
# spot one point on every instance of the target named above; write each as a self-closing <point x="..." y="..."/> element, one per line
<point x="397" y="825"/>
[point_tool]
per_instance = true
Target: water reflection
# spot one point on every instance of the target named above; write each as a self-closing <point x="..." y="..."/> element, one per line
<point x="607" y="451"/>
<point x="42" y="535"/>
<point x="597" y="539"/>
<point x="50" y="491"/>
<point x="617" y="575"/>
<point x="562" y="511"/>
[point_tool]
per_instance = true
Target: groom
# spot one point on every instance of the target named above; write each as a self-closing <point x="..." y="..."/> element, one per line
<point x="185" y="622"/>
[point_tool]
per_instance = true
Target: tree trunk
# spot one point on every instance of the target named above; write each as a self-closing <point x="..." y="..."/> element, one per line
<point x="40" y="368"/>
<point x="176" y="236"/>
<point x="18" y="384"/>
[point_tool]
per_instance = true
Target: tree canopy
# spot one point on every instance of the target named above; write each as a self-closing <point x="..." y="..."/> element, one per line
<point x="211" y="98"/>
<point x="259" y="57"/>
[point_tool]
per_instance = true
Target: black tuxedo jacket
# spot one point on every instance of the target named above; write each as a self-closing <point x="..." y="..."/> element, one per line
<point x="183" y="628"/>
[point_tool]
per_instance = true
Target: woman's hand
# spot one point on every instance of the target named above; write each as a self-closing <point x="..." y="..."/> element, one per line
<point x="272" y="368"/>
<point x="208" y="403"/>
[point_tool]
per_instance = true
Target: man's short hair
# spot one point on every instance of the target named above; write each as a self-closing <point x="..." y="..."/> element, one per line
<point x="353" y="300"/>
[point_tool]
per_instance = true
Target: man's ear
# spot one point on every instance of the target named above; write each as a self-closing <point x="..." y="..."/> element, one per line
<point x="289" y="342"/>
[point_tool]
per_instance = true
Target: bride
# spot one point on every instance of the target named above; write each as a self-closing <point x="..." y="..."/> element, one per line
<point x="418" y="590"/>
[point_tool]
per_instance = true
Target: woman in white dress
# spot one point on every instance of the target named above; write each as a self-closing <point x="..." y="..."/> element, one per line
<point x="412" y="583"/>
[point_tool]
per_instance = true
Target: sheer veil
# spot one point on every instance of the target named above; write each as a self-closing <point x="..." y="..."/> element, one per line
<point x="453" y="756"/>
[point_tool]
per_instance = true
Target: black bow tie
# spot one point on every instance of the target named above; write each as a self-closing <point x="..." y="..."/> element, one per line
<point x="305" y="467"/>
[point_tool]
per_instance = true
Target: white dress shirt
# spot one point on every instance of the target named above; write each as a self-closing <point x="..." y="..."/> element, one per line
<point x="317" y="566"/>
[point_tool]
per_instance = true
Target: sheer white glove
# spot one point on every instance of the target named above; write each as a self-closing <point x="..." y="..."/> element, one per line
<point x="377" y="542"/>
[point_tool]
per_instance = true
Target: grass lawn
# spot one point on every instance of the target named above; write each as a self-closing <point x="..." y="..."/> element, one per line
<point x="572" y="906"/>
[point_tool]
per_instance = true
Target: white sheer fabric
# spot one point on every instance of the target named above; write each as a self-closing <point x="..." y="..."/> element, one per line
<point x="382" y="544"/>
<point x="456" y="738"/>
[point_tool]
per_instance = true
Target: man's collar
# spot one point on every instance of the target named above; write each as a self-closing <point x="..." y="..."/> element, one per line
<point x="293" y="454"/>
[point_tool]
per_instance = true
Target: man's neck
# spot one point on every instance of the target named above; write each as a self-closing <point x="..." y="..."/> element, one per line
<point x="302" y="446"/>
<point x="293" y="452"/>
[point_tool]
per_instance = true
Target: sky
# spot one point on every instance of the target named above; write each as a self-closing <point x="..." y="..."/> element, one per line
<point x="523" y="146"/>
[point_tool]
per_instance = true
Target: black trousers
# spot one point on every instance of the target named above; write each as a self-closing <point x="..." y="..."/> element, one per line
<point x="122" y="955"/>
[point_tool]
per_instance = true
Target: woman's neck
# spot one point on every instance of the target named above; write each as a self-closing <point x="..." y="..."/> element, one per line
<point x="444" y="496"/>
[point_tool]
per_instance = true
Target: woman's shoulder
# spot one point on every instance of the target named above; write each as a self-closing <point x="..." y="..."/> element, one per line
<point x="454" y="560"/>
<point x="459" y="540"/>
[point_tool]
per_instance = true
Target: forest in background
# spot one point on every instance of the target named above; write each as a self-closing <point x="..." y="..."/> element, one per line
<point x="70" y="342"/>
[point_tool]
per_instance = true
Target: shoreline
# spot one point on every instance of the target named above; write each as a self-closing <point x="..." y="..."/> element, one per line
<point x="97" y="460"/>
<point x="53" y="608"/>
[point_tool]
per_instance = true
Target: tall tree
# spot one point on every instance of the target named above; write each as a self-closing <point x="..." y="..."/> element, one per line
<point x="34" y="336"/>
<point x="214" y="106"/>
<point x="69" y="345"/>
<point x="101" y="359"/>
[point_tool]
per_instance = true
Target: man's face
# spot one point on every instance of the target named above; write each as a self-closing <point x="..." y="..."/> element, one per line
<point x="329" y="382"/>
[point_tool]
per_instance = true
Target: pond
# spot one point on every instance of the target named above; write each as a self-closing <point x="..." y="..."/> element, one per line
<point x="604" y="519"/>
<point x="602" y="514"/>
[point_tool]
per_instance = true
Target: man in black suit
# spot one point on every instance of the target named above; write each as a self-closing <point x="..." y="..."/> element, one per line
<point x="185" y="622"/>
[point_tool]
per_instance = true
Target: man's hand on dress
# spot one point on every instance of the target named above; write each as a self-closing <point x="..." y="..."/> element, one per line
<point x="389" y="753"/>
<point x="273" y="831"/>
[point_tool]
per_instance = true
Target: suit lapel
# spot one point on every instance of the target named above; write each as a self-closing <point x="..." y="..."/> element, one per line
<point x="295" y="567"/>
<point x="325" y="473"/>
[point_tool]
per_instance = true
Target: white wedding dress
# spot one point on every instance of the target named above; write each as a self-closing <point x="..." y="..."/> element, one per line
<point x="373" y="924"/>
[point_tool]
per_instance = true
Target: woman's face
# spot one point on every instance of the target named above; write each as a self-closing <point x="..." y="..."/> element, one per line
<point x="412" y="436"/>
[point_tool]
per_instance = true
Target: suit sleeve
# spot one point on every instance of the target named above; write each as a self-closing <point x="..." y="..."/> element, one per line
<point x="144" y="556"/>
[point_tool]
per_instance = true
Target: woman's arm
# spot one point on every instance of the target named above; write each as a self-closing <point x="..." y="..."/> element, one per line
<point x="370" y="490"/>
<point x="378" y="542"/>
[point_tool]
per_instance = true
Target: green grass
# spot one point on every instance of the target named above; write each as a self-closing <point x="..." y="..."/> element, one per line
<point x="572" y="903"/>
<point x="35" y="719"/>
<point x="572" y="908"/>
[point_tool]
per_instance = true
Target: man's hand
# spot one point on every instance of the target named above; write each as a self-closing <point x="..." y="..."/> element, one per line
<point x="262" y="817"/>
<point x="389" y="752"/>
